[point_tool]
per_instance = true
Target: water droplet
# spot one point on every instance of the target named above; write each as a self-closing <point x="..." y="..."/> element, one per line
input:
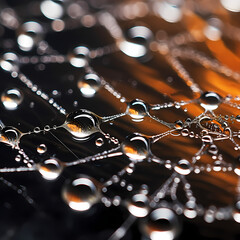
<point x="99" y="142"/>
<point x="183" y="167"/>
<point x="138" y="39"/>
<point x="213" y="149"/>
<point x="52" y="9"/>
<point x="82" y="124"/>
<point x="137" y="109"/>
<point x="11" y="98"/>
<point x="50" y="169"/>
<point x="210" y="100"/>
<point x="162" y="223"/>
<point x="10" y="136"/>
<point x="217" y="166"/>
<point x="136" y="147"/>
<point x="41" y="148"/>
<point x="178" y="124"/>
<point x="213" y="30"/>
<point x="238" y="118"/>
<point x="237" y="169"/>
<point x="29" y="34"/>
<point x="9" y="62"/>
<point x="190" y="210"/>
<point x="18" y="158"/>
<point x="236" y="212"/>
<point x="207" y="139"/>
<point x="138" y="205"/>
<point x="169" y="10"/>
<point x="185" y="132"/>
<point x="81" y="193"/>
<point x="89" y="85"/>
<point x="231" y="5"/>
<point x="79" y="57"/>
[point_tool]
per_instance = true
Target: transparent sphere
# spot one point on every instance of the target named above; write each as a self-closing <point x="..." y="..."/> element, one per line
<point x="136" y="147"/>
<point x="50" y="169"/>
<point x="190" y="210"/>
<point x="138" y="39"/>
<point x="10" y="136"/>
<point x="231" y="5"/>
<point x="82" y="124"/>
<point x="81" y="193"/>
<point x="137" y="109"/>
<point x="9" y="62"/>
<point x="11" y="98"/>
<point x="52" y="9"/>
<point x="89" y="85"/>
<point x="138" y="205"/>
<point x="162" y="223"/>
<point x="236" y="212"/>
<point x="29" y="34"/>
<point x="183" y="167"/>
<point x="42" y="148"/>
<point x="79" y="57"/>
<point x="210" y="100"/>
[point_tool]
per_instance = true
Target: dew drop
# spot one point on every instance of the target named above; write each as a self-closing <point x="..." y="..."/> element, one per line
<point x="217" y="166"/>
<point x="162" y="223"/>
<point x="238" y="118"/>
<point x="210" y="100"/>
<point x="89" y="85"/>
<point x="50" y="169"/>
<point x="9" y="62"/>
<point x="236" y="212"/>
<point x="190" y="210"/>
<point x="81" y="193"/>
<point x="185" y="132"/>
<point x="178" y="124"/>
<point x="10" y="136"/>
<point x="41" y="148"/>
<point x="231" y="5"/>
<point x="12" y="98"/>
<point x="79" y="57"/>
<point x="29" y="34"/>
<point x="138" y="205"/>
<point x="183" y="167"/>
<point x="82" y="124"/>
<point x="136" y="147"/>
<point x="99" y="142"/>
<point x="137" y="109"/>
<point x="52" y="9"/>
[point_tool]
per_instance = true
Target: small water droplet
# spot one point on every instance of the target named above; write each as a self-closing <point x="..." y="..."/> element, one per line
<point x="183" y="167"/>
<point x="89" y="85"/>
<point x="10" y="135"/>
<point x="137" y="109"/>
<point x="41" y="148"/>
<point x="79" y="57"/>
<point x="50" y="169"/>
<point x="99" y="142"/>
<point x="138" y="205"/>
<point x="11" y="98"/>
<point x="81" y="193"/>
<point x="210" y="100"/>
<point x="82" y="124"/>
<point x="136" y="147"/>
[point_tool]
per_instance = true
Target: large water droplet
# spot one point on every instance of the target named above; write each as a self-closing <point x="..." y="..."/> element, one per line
<point x="11" y="98"/>
<point x="162" y="224"/>
<point x="136" y="147"/>
<point x="138" y="205"/>
<point x="50" y="168"/>
<point x="137" y="109"/>
<point x="190" y="210"/>
<point x="183" y="167"/>
<point x="89" y="85"/>
<point x="210" y="100"/>
<point x="82" y="124"/>
<point x="81" y="193"/>
<point x="79" y="57"/>
<point x="29" y="34"/>
<point x="10" y="136"/>
<point x="9" y="62"/>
